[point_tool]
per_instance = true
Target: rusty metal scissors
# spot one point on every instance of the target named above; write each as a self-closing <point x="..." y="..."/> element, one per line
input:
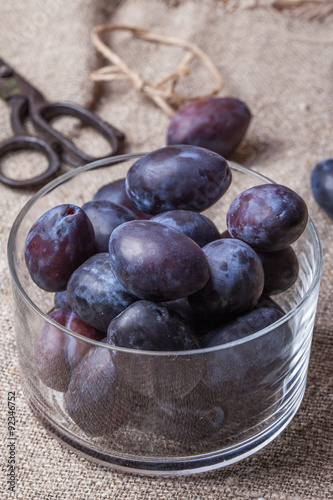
<point x="27" y="102"/>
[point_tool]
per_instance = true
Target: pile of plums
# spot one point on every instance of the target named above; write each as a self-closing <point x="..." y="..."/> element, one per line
<point x="140" y="267"/>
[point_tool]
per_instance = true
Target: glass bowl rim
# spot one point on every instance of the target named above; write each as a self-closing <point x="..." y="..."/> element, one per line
<point x="109" y="161"/>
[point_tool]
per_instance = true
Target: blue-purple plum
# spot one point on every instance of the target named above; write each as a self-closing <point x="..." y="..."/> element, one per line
<point x="95" y="293"/>
<point x="254" y="363"/>
<point x="105" y="216"/>
<point x="116" y="192"/>
<point x="196" y="226"/>
<point x="155" y="262"/>
<point x="280" y="268"/>
<point x="249" y="377"/>
<point x="58" y="353"/>
<point x="97" y="399"/>
<point x="218" y="124"/>
<point x="266" y="301"/>
<point x="236" y="281"/>
<point x="322" y="185"/>
<point x="242" y="326"/>
<point x="58" y="243"/>
<point x="61" y="300"/>
<point x="177" y="178"/>
<point x="189" y="419"/>
<point x="225" y="234"/>
<point x="147" y="326"/>
<point x="269" y="217"/>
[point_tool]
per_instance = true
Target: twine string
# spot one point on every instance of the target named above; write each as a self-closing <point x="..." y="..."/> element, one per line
<point x="310" y="9"/>
<point x="162" y="92"/>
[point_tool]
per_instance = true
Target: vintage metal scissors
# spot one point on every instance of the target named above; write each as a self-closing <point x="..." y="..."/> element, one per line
<point x="27" y="102"/>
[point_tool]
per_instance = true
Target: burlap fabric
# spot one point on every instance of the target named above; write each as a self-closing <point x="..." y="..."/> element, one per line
<point x="281" y="65"/>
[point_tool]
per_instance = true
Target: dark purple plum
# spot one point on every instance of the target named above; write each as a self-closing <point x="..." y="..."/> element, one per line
<point x="322" y="185"/>
<point x="155" y="262"/>
<point x="179" y="306"/>
<point x="242" y="326"/>
<point x="187" y="312"/>
<point x="196" y="226"/>
<point x="189" y="419"/>
<point x="217" y="123"/>
<point x="225" y="234"/>
<point x="58" y="353"/>
<point x="266" y="301"/>
<point x="105" y="216"/>
<point x="97" y="400"/>
<point x="280" y="269"/>
<point x="58" y="243"/>
<point x="177" y="178"/>
<point x="61" y="300"/>
<point x="269" y="217"/>
<point x="182" y="308"/>
<point x="249" y="375"/>
<point x="236" y="281"/>
<point x="247" y="411"/>
<point x="95" y="293"/>
<point x="116" y="192"/>
<point x="149" y="326"/>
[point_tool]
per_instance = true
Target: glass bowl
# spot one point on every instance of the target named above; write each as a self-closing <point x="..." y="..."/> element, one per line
<point x="178" y="412"/>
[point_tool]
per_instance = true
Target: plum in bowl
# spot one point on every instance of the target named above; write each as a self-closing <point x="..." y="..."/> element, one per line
<point x="179" y="370"/>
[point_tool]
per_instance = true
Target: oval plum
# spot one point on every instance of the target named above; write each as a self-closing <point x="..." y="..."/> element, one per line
<point x="105" y="216"/>
<point x="269" y="217"/>
<point x="58" y="353"/>
<point x="59" y="242"/>
<point x="95" y="293"/>
<point x="146" y="325"/>
<point x="177" y="177"/>
<point x="115" y="191"/>
<point x="155" y="262"/>
<point x="236" y="281"/>
<point x="280" y="269"/>
<point x="196" y="226"/>
<point x="97" y="399"/>
<point x="217" y="123"/>
<point x="322" y="185"/>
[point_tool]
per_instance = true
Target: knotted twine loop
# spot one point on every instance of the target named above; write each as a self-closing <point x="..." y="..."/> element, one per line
<point x="310" y="9"/>
<point x="163" y="91"/>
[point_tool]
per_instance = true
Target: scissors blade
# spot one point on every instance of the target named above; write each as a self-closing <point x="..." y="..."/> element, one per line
<point x="12" y="84"/>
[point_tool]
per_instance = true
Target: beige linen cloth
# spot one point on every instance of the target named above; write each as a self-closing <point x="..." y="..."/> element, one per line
<point x="281" y="66"/>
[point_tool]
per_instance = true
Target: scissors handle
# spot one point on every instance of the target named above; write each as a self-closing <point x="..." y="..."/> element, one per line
<point x="23" y="141"/>
<point x="54" y="146"/>
<point x="43" y="114"/>
<point x="29" y="142"/>
<point x="27" y="102"/>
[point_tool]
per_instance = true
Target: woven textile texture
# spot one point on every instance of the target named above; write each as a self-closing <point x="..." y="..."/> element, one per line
<point x="281" y="66"/>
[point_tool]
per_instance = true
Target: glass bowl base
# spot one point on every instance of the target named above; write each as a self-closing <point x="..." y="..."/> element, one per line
<point x="174" y="466"/>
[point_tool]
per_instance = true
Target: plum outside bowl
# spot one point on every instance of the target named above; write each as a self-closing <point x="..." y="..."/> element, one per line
<point x="185" y="412"/>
